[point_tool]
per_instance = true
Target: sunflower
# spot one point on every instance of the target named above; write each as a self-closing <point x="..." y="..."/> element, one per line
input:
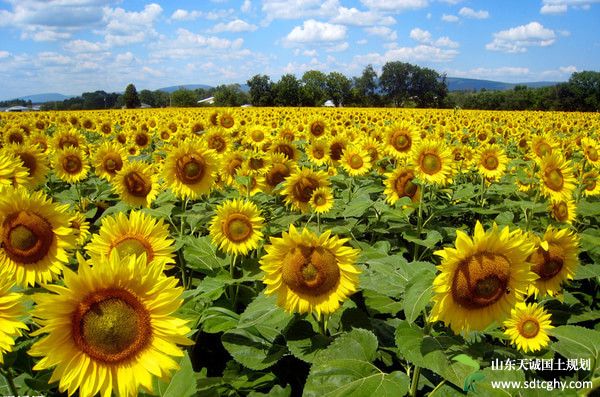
<point x="356" y="161"/>
<point x="11" y="312"/>
<point x="279" y="169"/>
<point x="70" y="164"/>
<point x="589" y="180"/>
<point x="232" y="162"/>
<point x="318" y="152"/>
<point x="249" y="183"/>
<point x="481" y="278"/>
<point x="13" y="172"/>
<point x="190" y="169"/>
<point x="34" y="159"/>
<point x="64" y="139"/>
<point x="309" y="273"/>
<point x="337" y="145"/>
<point x="35" y="235"/>
<point x="556" y="174"/>
<point x="400" y="139"/>
<point x="554" y="261"/>
<point x="136" y="183"/>
<point x="564" y="211"/>
<point x="80" y="227"/>
<point x="491" y="162"/>
<point x="256" y="136"/>
<point x="591" y="151"/>
<point x="433" y="162"/>
<point x="110" y="327"/>
<point x="236" y="227"/>
<point x="135" y="234"/>
<point x="400" y="183"/>
<point x="218" y="140"/>
<point x="317" y="128"/>
<point x="321" y="200"/>
<point x="109" y="158"/>
<point x="288" y="149"/>
<point x="227" y="120"/>
<point x="528" y="326"/>
<point x="543" y="145"/>
<point x="299" y="187"/>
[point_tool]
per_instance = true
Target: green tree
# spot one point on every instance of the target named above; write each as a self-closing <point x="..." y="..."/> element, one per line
<point x="395" y="81"/>
<point x="365" y="87"/>
<point x="261" y="90"/>
<point x="427" y="88"/>
<point x="230" y="95"/>
<point x="131" y="98"/>
<point x="148" y="97"/>
<point x="314" y="88"/>
<point x="287" y="91"/>
<point x="184" y="98"/>
<point x="586" y="88"/>
<point x="338" y="88"/>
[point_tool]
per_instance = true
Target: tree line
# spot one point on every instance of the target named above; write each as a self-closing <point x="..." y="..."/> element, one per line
<point x="400" y="84"/>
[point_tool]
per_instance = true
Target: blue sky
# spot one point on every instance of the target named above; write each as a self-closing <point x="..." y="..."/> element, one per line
<point x="73" y="46"/>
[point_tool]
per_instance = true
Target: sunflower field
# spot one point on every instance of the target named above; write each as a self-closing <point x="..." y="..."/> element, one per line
<point x="299" y="251"/>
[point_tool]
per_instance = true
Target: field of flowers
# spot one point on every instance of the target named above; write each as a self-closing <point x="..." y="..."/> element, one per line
<point x="283" y="251"/>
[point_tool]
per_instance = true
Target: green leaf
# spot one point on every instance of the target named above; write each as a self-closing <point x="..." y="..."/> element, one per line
<point x="303" y="342"/>
<point x="349" y="377"/>
<point x="482" y="385"/>
<point x="433" y="237"/>
<point x="266" y="316"/>
<point x="183" y="383"/>
<point x="357" y="207"/>
<point x="389" y="275"/>
<point x="431" y="352"/>
<point x="217" y="319"/>
<point x="585" y="208"/>
<point x="587" y="271"/>
<point x="276" y="391"/>
<point x="345" y="369"/>
<point x="379" y="303"/>
<point x="505" y="218"/>
<point x="577" y="342"/>
<point x="200" y="254"/>
<point x="251" y="349"/>
<point x="417" y="294"/>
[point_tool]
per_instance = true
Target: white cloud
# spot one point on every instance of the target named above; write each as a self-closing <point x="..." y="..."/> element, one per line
<point x="492" y="73"/>
<point x="420" y="35"/>
<point x="84" y="46"/>
<point x="234" y="26"/>
<point x="395" y="5"/>
<point x="152" y="72"/>
<point x="314" y="31"/>
<point x="125" y="27"/>
<point x="420" y="53"/>
<point x="517" y="39"/>
<point x="4" y="54"/>
<point x="567" y="69"/>
<point x="296" y="9"/>
<point x="449" y="18"/>
<point x="45" y="35"/>
<point x="471" y="13"/>
<point x="189" y="45"/>
<point x="553" y="9"/>
<point x="446" y="42"/>
<point x="125" y="58"/>
<point x="452" y="2"/>
<point x="362" y="41"/>
<point x="382" y="31"/>
<point x="352" y="16"/>
<point x="246" y="6"/>
<point x="341" y="47"/>
<point x="185" y="15"/>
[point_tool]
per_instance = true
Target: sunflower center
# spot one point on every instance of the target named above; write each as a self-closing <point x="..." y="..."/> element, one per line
<point x="256" y="163"/>
<point x="319" y="200"/>
<point x="404" y="185"/>
<point x="430" y="163"/>
<point x="335" y="150"/>
<point x="356" y="161"/>
<point x="548" y="264"/>
<point x="190" y="169"/>
<point x="26" y="237"/>
<point x="29" y="161"/>
<point x="480" y="280"/>
<point x="111" y="326"/>
<point x="277" y="174"/>
<point x="561" y="211"/>
<point x="72" y="164"/>
<point x="227" y="121"/>
<point x="530" y="328"/>
<point x="544" y="149"/>
<point x="286" y="150"/>
<point x="317" y="128"/>
<point x="592" y="154"/>
<point x="491" y="162"/>
<point x="310" y="271"/>
<point x="113" y="163"/>
<point x="304" y="188"/>
<point x="237" y="228"/>
<point x="401" y="141"/>
<point x="554" y="179"/>
<point x="136" y="184"/>
<point x="133" y="246"/>
<point x="257" y="136"/>
<point x="318" y="153"/>
<point x="142" y="140"/>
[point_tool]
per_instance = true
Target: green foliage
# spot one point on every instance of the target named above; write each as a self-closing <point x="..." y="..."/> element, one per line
<point x="131" y="98"/>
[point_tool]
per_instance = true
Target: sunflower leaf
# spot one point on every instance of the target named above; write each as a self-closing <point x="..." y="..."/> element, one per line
<point x="417" y="294"/>
<point x="183" y="383"/>
<point x="200" y="254"/>
<point x="579" y="343"/>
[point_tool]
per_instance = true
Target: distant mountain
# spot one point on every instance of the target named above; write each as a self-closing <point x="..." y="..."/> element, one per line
<point x="49" y="97"/>
<point x="462" y="84"/>
<point x="186" y="86"/>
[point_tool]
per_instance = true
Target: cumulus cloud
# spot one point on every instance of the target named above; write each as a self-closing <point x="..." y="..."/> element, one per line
<point x="352" y="16"/>
<point x="185" y="15"/>
<point x="383" y="32"/>
<point x="4" y="54"/>
<point x="420" y="35"/>
<point x="395" y="5"/>
<point x="501" y="73"/>
<point x="84" y="46"/>
<point x="246" y="6"/>
<point x="419" y="53"/>
<point x="129" y="27"/>
<point x="424" y="37"/>
<point x="561" y="6"/>
<point x="234" y="26"/>
<point x="471" y="13"/>
<point x="553" y="9"/>
<point x="449" y="18"/>
<point x="517" y="39"/>
<point x="188" y="45"/>
<point x="295" y="9"/>
<point x="315" y="31"/>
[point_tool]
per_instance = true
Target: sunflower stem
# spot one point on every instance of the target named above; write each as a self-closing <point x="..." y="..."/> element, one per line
<point x="10" y="381"/>
<point x="419" y="222"/>
<point x="323" y="325"/>
<point x="232" y="287"/>
<point x="414" y="383"/>
<point x="482" y="191"/>
<point x="318" y="224"/>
